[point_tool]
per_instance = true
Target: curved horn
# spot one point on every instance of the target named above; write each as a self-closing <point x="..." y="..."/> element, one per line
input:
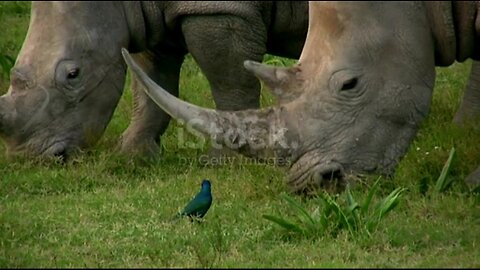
<point x="252" y="132"/>
<point x="175" y="107"/>
<point x="280" y="80"/>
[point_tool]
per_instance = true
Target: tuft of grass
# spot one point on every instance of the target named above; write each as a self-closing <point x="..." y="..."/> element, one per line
<point x="331" y="216"/>
<point x="442" y="183"/>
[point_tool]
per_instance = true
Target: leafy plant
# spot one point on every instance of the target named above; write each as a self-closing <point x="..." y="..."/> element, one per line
<point x="330" y="216"/>
<point x="442" y="183"/>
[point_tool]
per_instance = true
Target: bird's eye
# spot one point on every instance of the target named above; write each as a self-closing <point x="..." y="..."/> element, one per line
<point x="73" y="73"/>
<point x="349" y="84"/>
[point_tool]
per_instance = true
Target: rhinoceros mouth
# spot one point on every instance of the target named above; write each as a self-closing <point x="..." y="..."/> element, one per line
<point x="310" y="173"/>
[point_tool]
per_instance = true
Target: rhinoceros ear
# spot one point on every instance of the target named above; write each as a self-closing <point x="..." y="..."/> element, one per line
<point x="279" y="80"/>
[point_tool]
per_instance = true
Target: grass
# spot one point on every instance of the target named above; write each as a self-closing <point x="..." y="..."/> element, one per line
<point x="331" y="217"/>
<point x="14" y="22"/>
<point x="100" y="210"/>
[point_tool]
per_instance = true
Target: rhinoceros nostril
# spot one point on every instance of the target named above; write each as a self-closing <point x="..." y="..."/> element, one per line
<point x="331" y="178"/>
<point x="332" y="175"/>
<point x="62" y="155"/>
<point x="308" y="175"/>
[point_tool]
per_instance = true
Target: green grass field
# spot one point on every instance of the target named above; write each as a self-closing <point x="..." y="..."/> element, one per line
<point x="101" y="210"/>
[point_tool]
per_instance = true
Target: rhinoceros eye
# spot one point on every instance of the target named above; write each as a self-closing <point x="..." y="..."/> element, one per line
<point x="73" y="73"/>
<point x="68" y="75"/>
<point x="349" y="84"/>
<point x="346" y="82"/>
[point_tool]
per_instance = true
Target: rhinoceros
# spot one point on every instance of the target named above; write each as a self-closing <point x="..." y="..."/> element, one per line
<point x="355" y="99"/>
<point x="70" y="74"/>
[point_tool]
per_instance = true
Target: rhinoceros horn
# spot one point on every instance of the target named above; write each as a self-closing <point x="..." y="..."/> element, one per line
<point x="252" y="132"/>
<point x="278" y="79"/>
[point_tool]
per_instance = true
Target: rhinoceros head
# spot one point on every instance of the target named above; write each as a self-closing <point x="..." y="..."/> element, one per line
<point x="352" y="104"/>
<point x="67" y="79"/>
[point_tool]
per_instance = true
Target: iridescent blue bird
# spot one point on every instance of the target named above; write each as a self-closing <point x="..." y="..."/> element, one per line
<point x="198" y="206"/>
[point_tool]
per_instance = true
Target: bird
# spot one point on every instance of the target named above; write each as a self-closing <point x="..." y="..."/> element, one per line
<point x="199" y="205"/>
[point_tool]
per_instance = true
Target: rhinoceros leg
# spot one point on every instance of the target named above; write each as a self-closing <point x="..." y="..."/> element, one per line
<point x="473" y="180"/>
<point x="220" y="45"/>
<point x="470" y="106"/>
<point x="470" y="110"/>
<point x="142" y="137"/>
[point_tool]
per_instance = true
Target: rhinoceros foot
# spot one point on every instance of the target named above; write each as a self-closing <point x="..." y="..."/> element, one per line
<point x="473" y="180"/>
<point x="139" y="147"/>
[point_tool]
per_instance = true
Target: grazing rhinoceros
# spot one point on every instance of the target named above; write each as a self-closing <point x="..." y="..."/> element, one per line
<point x="70" y="74"/>
<point x="355" y="100"/>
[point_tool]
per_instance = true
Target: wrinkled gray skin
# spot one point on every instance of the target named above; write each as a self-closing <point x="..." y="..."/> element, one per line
<point x="356" y="98"/>
<point x="70" y="74"/>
